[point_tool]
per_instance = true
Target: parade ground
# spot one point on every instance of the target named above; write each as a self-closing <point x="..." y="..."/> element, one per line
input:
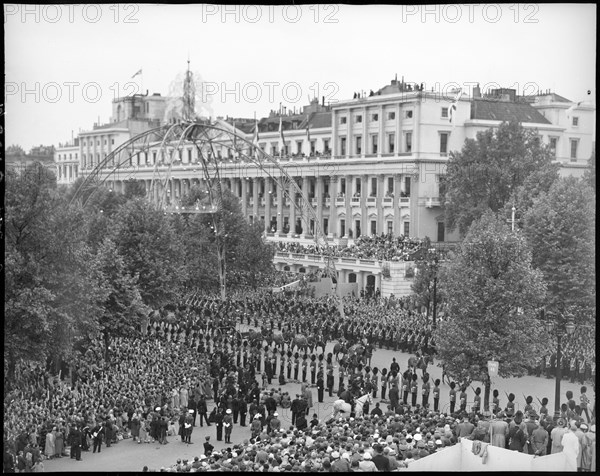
<point x="128" y="455"/>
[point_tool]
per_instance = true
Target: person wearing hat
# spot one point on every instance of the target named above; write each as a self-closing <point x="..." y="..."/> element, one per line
<point x="588" y="449"/>
<point x="208" y="448"/>
<point x="538" y="441"/>
<point x="571" y="447"/>
<point x="256" y="426"/>
<point x="452" y="394"/>
<point x="320" y="386"/>
<point x="543" y="408"/>
<point x="557" y="435"/>
<point x="367" y="465"/>
<point x="228" y="425"/>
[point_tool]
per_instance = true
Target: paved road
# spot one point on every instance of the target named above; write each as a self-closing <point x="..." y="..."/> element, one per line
<point x="130" y="456"/>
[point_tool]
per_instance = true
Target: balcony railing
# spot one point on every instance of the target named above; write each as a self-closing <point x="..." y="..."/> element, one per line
<point x="340" y="202"/>
<point x="262" y="201"/>
<point x="355" y="200"/>
<point x="327" y="202"/>
<point x="404" y="202"/>
<point x="432" y="202"/>
<point x="388" y="202"/>
<point x="371" y="201"/>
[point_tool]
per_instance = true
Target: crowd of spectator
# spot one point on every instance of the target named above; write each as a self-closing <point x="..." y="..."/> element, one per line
<point x="376" y="247"/>
<point x="192" y="352"/>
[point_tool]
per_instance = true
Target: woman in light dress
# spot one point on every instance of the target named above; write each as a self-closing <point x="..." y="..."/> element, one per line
<point x="144" y="429"/>
<point x="50" y="440"/>
<point x="59" y="444"/>
<point x="556" y="435"/>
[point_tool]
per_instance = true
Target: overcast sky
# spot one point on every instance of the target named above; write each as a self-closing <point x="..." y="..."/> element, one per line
<point x="65" y="64"/>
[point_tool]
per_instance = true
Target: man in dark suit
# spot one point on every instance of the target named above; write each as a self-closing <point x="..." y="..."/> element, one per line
<point x="208" y="448"/>
<point x="243" y="409"/>
<point x="163" y="427"/>
<point x="202" y="409"/>
<point x="98" y="434"/>
<point x="295" y="408"/>
<point x="320" y="387"/>
<point x="192" y="405"/>
<point x="76" y="438"/>
<point x="330" y="381"/>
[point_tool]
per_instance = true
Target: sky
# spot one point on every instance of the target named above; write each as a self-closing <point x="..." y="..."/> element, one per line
<point x="64" y="64"/>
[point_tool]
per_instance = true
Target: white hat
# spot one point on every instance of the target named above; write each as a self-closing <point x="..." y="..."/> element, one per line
<point x="228" y="410"/>
<point x="367" y="455"/>
<point x="157" y="409"/>
<point x="275" y="414"/>
<point x="418" y="437"/>
<point x="345" y="456"/>
<point x="335" y="455"/>
<point x="190" y="411"/>
<point x="202" y="457"/>
<point x="593" y="428"/>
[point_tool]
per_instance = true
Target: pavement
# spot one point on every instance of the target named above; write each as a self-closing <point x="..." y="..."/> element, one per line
<point x="128" y="455"/>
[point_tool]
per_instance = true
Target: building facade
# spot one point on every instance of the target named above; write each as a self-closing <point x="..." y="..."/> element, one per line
<point x="369" y="165"/>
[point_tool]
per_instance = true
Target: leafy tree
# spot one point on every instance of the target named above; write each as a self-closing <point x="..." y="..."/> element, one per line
<point x="134" y="188"/>
<point x="493" y="296"/>
<point x="150" y="248"/>
<point x="590" y="173"/>
<point x="488" y="172"/>
<point x="560" y="227"/>
<point x="123" y="308"/>
<point x="47" y="300"/>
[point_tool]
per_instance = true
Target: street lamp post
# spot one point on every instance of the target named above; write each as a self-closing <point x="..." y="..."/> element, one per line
<point x="559" y="331"/>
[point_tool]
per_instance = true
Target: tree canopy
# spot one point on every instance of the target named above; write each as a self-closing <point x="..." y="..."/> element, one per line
<point x="560" y="228"/>
<point x="503" y="167"/>
<point x="493" y="297"/>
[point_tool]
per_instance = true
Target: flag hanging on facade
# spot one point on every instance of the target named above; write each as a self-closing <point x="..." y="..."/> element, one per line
<point x="453" y="107"/>
<point x="281" y="139"/>
<point x="308" y="136"/>
<point x="138" y="72"/>
<point x="256" y="138"/>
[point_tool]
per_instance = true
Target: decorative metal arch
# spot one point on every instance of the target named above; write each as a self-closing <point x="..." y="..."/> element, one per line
<point x="204" y="136"/>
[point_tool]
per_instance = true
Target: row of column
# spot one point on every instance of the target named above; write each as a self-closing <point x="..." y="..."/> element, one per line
<point x="355" y="212"/>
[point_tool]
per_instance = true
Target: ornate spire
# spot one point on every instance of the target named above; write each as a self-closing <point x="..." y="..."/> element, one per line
<point x="189" y="95"/>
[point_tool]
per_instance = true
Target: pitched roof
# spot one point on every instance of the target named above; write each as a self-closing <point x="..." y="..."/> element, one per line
<point x="317" y="120"/>
<point x="506" y="111"/>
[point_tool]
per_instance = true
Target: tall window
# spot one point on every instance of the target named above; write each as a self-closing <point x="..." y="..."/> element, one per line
<point x="390" y="187"/>
<point x="406" y="228"/>
<point x="373" y="186"/>
<point x="342" y="119"/>
<point x="391" y="116"/>
<point x="326" y="226"/>
<point x="342" y="146"/>
<point x="390" y="227"/>
<point x="358" y="118"/>
<point x="298" y="146"/>
<point x="445" y="112"/>
<point x="375" y="117"/>
<point x="574" y="143"/>
<point x="407" y="186"/>
<point x="391" y="142"/>
<point x="358" y="184"/>
<point x="575" y="121"/>
<point x="408" y="114"/>
<point x="408" y="141"/>
<point x="374" y="140"/>
<point x="553" y="143"/>
<point x="444" y="143"/>
<point x="342" y="228"/>
<point x="441" y="231"/>
<point x="313" y="146"/>
<point x="326" y="146"/>
<point x="358" y="145"/>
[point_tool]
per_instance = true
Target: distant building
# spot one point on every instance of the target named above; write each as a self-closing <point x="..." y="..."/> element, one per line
<point x="369" y="165"/>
